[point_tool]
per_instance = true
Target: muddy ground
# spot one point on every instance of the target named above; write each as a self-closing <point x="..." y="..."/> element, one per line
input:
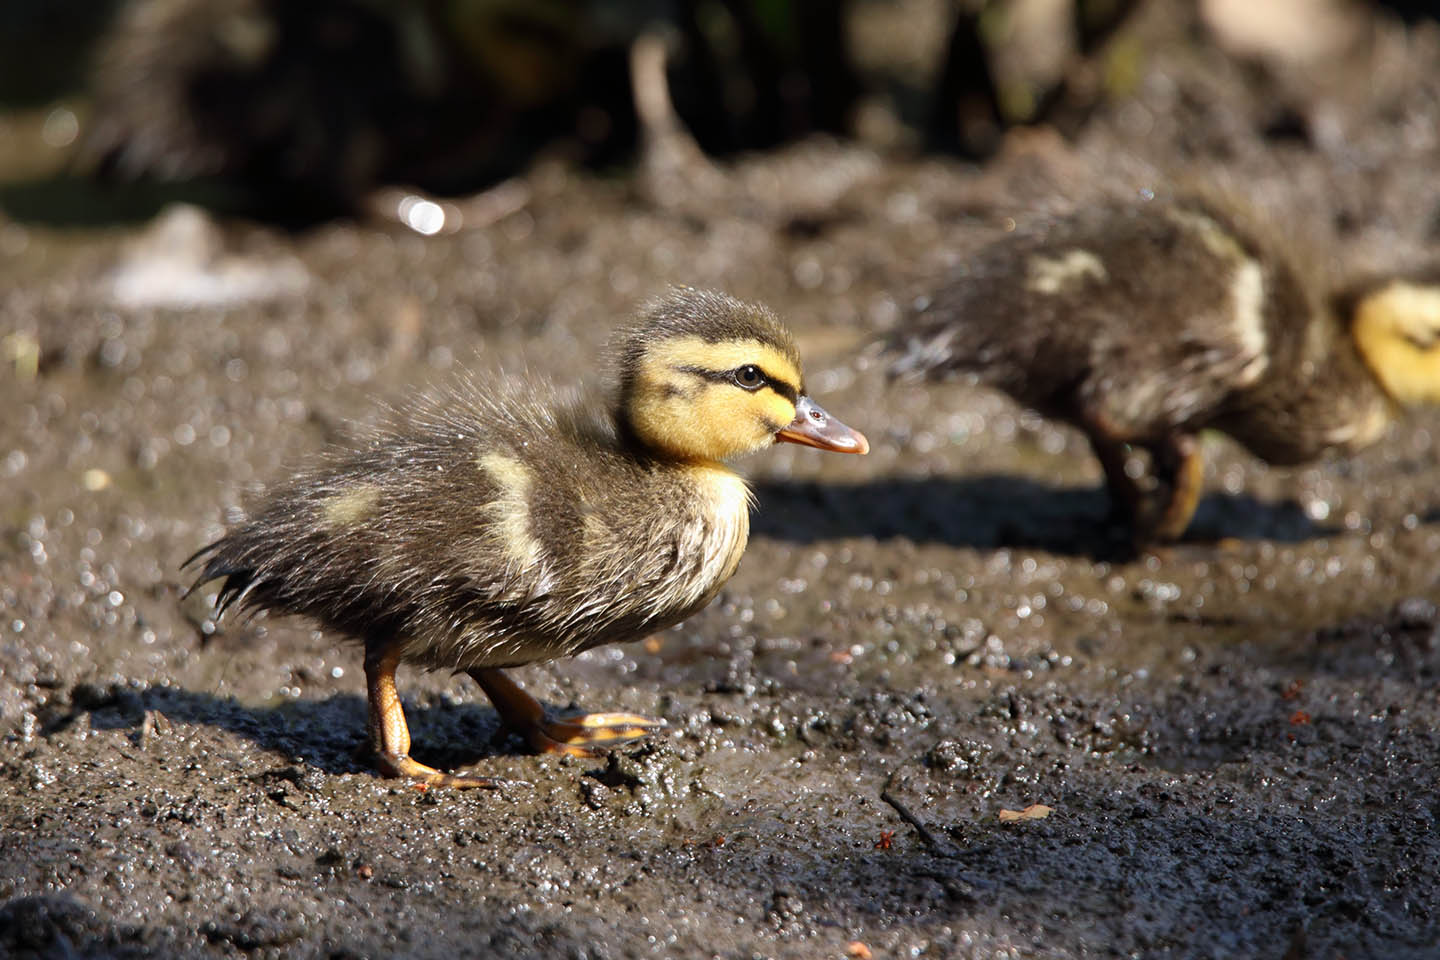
<point x="1239" y="736"/>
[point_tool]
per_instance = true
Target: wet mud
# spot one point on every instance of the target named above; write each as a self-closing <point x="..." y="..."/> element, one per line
<point x="1238" y="737"/>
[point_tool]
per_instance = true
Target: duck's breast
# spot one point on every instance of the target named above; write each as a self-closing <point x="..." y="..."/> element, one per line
<point x="717" y="531"/>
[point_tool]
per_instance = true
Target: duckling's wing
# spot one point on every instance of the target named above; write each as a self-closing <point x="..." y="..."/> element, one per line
<point x="369" y="540"/>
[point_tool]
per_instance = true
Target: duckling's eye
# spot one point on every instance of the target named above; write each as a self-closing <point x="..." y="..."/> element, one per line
<point x="749" y="377"/>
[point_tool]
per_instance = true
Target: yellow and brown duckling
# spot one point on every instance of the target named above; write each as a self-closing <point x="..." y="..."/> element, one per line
<point x="1144" y="324"/>
<point x="504" y="529"/>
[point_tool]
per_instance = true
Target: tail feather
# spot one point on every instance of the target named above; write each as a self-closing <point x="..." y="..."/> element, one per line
<point x="928" y="352"/>
<point x="223" y="561"/>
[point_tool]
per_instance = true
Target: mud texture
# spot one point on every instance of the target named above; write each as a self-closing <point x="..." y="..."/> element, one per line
<point x="1238" y="737"/>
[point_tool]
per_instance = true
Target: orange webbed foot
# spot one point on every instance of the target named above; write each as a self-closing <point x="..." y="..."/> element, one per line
<point x="580" y="734"/>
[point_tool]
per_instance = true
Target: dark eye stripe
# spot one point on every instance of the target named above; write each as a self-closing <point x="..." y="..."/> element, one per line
<point x="727" y="376"/>
<point x="783" y="388"/>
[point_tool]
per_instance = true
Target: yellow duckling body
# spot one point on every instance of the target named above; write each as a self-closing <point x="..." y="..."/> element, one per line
<point x="1144" y="324"/>
<point x="500" y="530"/>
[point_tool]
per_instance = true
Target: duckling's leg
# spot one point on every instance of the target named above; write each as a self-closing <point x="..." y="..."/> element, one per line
<point x="390" y="735"/>
<point x="1127" y="500"/>
<point x="1182" y="469"/>
<point x="578" y="734"/>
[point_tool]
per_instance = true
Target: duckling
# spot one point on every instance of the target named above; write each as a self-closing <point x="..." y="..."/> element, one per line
<point x="507" y="528"/>
<point x="1144" y="324"/>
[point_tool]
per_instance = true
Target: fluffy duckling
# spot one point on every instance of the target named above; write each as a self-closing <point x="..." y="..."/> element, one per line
<point x="500" y="530"/>
<point x="1144" y="324"/>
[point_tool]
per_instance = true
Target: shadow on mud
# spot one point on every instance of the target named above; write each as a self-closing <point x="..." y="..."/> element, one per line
<point x="59" y="925"/>
<point x="1088" y="860"/>
<point x="988" y="512"/>
<point x="327" y="734"/>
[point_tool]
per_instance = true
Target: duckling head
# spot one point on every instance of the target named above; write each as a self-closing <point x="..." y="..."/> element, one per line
<point x="705" y="377"/>
<point x="1397" y="328"/>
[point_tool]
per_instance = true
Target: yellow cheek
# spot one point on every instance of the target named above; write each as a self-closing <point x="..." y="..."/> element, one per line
<point x="736" y="421"/>
<point x="773" y="408"/>
<point x="710" y="421"/>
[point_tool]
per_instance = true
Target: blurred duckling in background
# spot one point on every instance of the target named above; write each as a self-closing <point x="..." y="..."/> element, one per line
<point x="503" y="528"/>
<point x="1145" y="324"/>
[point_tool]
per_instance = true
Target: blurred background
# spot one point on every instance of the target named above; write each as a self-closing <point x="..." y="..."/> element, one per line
<point x="295" y="112"/>
<point x="232" y="229"/>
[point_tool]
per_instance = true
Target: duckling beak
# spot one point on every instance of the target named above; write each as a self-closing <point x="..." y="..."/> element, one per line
<point x="813" y="427"/>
